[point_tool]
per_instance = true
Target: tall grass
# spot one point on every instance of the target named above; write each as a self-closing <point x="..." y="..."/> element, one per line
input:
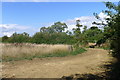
<point x="30" y="51"/>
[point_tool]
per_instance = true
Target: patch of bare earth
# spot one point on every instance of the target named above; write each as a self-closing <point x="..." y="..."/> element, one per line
<point x="56" y="67"/>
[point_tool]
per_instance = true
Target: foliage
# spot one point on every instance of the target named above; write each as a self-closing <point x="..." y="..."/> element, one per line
<point x="77" y="31"/>
<point x="19" y="38"/>
<point x="0" y="39"/>
<point x="4" y="38"/>
<point x="112" y="28"/>
<point x="55" y="34"/>
<point x="112" y="33"/>
<point x="52" y="38"/>
<point x="56" y="27"/>
<point x="93" y="34"/>
<point x="77" y="34"/>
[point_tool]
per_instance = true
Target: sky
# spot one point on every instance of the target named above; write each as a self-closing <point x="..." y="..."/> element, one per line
<point x="58" y="0"/>
<point x="31" y="16"/>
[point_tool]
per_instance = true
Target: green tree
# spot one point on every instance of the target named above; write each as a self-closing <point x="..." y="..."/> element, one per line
<point x="56" y="27"/>
<point x="77" y="29"/>
<point x="114" y="24"/>
<point x="5" y="39"/>
<point x="114" y="31"/>
<point x="93" y="34"/>
<point x="59" y="27"/>
<point x="38" y="38"/>
<point x="77" y="33"/>
<point x="68" y="32"/>
<point x="112" y="28"/>
<point x="84" y="29"/>
<point x="19" y="38"/>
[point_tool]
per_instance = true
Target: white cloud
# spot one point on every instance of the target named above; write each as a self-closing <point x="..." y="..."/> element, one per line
<point x="102" y="15"/>
<point x="6" y="26"/>
<point x="85" y="21"/>
<point x="8" y="33"/>
<point x="9" y="29"/>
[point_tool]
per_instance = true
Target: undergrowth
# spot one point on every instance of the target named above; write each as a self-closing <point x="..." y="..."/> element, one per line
<point x="55" y="54"/>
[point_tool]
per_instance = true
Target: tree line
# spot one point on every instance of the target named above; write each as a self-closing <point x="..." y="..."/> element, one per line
<point x="56" y="34"/>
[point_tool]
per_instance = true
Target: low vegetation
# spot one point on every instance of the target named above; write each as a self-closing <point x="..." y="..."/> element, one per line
<point x="30" y="51"/>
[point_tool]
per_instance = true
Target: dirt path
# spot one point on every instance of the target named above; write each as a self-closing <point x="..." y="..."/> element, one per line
<point x="88" y="62"/>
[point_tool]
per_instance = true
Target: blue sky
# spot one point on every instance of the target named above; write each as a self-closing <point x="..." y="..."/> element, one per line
<point x="35" y="14"/>
<point x="30" y="16"/>
<point x="58" y="0"/>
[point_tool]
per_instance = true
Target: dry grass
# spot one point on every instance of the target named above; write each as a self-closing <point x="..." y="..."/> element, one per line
<point x="27" y="50"/>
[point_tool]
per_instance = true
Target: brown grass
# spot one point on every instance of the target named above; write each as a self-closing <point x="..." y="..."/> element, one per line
<point x="24" y="50"/>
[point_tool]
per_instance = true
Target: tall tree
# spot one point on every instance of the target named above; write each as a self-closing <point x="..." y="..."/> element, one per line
<point x="92" y="34"/>
<point x="77" y="33"/>
<point x="112" y="28"/>
<point x="59" y="27"/>
<point x="56" y="27"/>
<point x="84" y="29"/>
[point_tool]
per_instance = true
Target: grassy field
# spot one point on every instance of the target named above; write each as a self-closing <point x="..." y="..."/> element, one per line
<point x="12" y="52"/>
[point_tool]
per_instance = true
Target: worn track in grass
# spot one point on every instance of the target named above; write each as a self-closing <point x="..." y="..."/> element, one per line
<point x="56" y="67"/>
